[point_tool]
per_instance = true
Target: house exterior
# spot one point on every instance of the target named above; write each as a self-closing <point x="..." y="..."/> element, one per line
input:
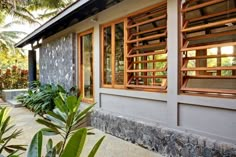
<point x="162" y="73"/>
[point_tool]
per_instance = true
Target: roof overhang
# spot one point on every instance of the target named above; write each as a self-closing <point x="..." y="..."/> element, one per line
<point x="75" y="13"/>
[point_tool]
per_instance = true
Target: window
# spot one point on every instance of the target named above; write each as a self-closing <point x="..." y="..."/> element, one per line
<point x="113" y="55"/>
<point x="86" y="65"/>
<point x="208" y="51"/>
<point x="134" y="53"/>
<point x="147" y="49"/>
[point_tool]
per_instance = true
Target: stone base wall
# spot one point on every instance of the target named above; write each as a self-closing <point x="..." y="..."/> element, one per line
<point x="165" y="141"/>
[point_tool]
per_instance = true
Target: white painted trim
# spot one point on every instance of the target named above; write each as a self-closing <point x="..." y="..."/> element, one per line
<point x="53" y="20"/>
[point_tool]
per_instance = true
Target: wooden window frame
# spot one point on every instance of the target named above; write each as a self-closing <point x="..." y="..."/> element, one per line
<point x="112" y="25"/>
<point x="125" y="21"/>
<point x="80" y="65"/>
<point x="184" y="49"/>
<point x="145" y="13"/>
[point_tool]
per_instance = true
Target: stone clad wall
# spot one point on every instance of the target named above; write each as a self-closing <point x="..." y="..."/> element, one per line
<point x="168" y="142"/>
<point x="57" y="61"/>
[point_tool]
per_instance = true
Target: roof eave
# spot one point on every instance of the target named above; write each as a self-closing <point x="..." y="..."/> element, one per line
<point x="28" y="38"/>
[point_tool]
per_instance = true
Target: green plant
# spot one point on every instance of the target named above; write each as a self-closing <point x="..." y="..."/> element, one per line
<point x="40" y="98"/>
<point x="65" y="120"/>
<point x="13" y="78"/>
<point x="6" y="135"/>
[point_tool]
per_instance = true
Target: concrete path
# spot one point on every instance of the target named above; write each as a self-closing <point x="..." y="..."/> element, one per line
<point x="111" y="146"/>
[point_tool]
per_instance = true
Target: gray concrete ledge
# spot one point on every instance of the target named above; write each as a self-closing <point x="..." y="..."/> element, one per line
<point x="10" y="94"/>
<point x="160" y="139"/>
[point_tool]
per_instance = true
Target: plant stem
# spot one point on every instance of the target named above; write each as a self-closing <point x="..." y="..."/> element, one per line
<point x="65" y="140"/>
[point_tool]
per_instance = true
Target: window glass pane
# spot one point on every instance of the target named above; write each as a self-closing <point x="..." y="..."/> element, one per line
<point x="107" y="56"/>
<point x="191" y="63"/>
<point x="227" y="61"/>
<point x="212" y="62"/>
<point x="87" y="60"/>
<point x="119" y="54"/>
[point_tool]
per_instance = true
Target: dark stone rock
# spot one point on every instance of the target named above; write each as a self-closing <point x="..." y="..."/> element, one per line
<point x="56" y="62"/>
<point x="160" y="139"/>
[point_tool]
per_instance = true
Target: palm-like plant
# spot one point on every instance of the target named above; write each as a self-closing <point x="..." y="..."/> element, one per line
<point x="18" y="9"/>
<point x="8" y="37"/>
<point x="6" y="134"/>
<point x="49" y="8"/>
<point x="65" y="120"/>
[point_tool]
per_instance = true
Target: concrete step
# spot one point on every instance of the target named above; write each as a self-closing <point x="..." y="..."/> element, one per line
<point x="14" y="103"/>
<point x="9" y="94"/>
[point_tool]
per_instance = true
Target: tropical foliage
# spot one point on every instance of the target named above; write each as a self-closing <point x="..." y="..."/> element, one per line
<point x="7" y="134"/>
<point x="7" y="60"/>
<point x="16" y="8"/>
<point x="65" y="120"/>
<point x="40" y="98"/>
<point x="47" y="8"/>
<point x="14" y="78"/>
<point x="8" y="37"/>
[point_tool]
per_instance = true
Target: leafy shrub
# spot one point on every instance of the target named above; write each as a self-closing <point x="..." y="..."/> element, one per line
<point x="40" y="98"/>
<point x="8" y="133"/>
<point x="65" y="120"/>
<point x="13" y="78"/>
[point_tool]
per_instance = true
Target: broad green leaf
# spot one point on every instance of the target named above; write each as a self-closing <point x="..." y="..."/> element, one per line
<point x="50" y="132"/>
<point x="95" y="148"/>
<point x="58" y="112"/>
<point x="75" y="145"/>
<point x="58" y="147"/>
<point x="49" y="145"/>
<point x="57" y="116"/>
<point x="70" y="119"/>
<point x="51" y="151"/>
<point x="61" y="89"/>
<point x="60" y="105"/>
<point x="54" y="120"/>
<point x="78" y="103"/>
<point x="19" y="147"/>
<point x="71" y="102"/>
<point x="85" y="111"/>
<point x="35" y="148"/>
<point x="48" y="124"/>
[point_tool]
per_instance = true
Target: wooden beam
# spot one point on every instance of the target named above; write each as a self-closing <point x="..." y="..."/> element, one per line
<point x="223" y="91"/>
<point x="215" y="35"/>
<point x="213" y="24"/>
<point x="152" y="76"/>
<point x="159" y="11"/>
<point x="143" y="86"/>
<point x="212" y="15"/>
<point x="150" y="30"/>
<point x="148" y="21"/>
<point x="208" y="46"/>
<point x="209" y="68"/>
<point x="150" y="61"/>
<point x="147" y="38"/>
<point x="146" y="70"/>
<point x="146" y="54"/>
<point x="210" y="56"/>
<point x="210" y="77"/>
<point x="202" y="5"/>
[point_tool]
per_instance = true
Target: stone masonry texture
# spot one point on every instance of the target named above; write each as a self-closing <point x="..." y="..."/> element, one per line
<point x="165" y="141"/>
<point x="57" y="62"/>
